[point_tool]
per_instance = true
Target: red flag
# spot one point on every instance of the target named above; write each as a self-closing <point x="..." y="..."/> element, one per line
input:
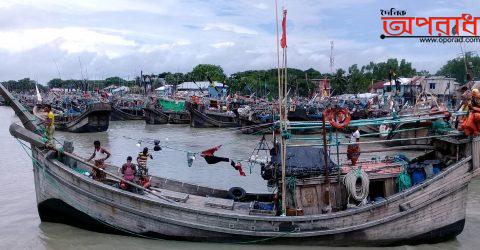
<point x="283" y="41"/>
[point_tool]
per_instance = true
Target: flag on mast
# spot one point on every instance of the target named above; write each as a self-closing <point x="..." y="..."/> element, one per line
<point x="39" y="97"/>
<point x="283" y="40"/>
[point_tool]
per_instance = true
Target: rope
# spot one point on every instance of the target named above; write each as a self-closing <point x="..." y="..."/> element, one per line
<point x="360" y="192"/>
<point x="404" y="182"/>
<point x="292" y="185"/>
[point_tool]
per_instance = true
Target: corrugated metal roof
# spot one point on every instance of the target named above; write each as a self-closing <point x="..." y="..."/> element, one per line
<point x="198" y="85"/>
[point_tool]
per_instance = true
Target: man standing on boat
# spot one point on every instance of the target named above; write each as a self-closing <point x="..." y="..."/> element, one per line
<point x="99" y="156"/>
<point x="353" y="149"/>
<point x="49" y="124"/>
<point x="142" y="159"/>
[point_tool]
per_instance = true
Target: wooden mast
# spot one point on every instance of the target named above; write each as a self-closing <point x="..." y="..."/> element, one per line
<point x="280" y="109"/>
<point x="284" y="121"/>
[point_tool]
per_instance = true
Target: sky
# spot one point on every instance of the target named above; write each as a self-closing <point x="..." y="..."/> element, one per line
<point x="95" y="39"/>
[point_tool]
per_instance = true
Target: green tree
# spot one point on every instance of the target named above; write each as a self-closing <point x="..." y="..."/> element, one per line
<point x="114" y="81"/>
<point x="55" y="83"/>
<point x="201" y="71"/>
<point x="456" y="68"/>
<point x="339" y="82"/>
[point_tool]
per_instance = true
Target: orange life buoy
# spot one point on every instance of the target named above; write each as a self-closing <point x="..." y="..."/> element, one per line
<point x="338" y="118"/>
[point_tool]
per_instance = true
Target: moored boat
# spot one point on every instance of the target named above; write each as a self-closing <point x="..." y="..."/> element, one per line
<point x="95" y="118"/>
<point x="201" y="116"/>
<point x="126" y="114"/>
<point x="166" y="111"/>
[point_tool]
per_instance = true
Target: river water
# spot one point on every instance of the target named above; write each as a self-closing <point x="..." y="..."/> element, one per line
<point x="21" y="228"/>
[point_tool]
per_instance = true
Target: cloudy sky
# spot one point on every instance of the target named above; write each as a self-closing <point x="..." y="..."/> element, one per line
<point x="43" y="39"/>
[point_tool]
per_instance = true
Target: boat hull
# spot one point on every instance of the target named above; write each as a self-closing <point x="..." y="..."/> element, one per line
<point x="154" y="116"/>
<point x="199" y="119"/>
<point x="433" y="211"/>
<point x="122" y="115"/>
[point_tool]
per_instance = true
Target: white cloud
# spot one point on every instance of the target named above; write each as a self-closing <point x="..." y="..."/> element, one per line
<point x="230" y="27"/>
<point x="261" y="6"/>
<point x="148" y="48"/>
<point x="222" y="45"/>
<point x="71" y="40"/>
<point x="122" y="37"/>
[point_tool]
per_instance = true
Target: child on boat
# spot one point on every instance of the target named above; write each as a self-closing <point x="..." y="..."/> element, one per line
<point x="128" y="170"/>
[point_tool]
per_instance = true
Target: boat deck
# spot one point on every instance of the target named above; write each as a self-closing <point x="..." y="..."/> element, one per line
<point x="212" y="204"/>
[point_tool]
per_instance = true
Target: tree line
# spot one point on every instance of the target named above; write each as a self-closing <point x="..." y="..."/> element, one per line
<point x="355" y="79"/>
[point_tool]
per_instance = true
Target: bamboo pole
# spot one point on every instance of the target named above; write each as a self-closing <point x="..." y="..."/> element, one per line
<point x="326" y="158"/>
<point x="411" y="147"/>
<point x="281" y="111"/>
<point x="379" y="141"/>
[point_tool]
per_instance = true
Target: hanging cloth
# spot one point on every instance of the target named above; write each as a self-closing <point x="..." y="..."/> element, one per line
<point x="212" y="159"/>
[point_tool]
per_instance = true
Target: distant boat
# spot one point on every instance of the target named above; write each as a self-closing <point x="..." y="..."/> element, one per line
<point x="167" y="111"/>
<point x="202" y="117"/>
<point x="126" y="114"/>
<point x="95" y="118"/>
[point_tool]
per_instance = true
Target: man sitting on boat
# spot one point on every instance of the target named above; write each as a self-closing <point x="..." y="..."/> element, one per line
<point x="99" y="156"/>
<point x="128" y="170"/>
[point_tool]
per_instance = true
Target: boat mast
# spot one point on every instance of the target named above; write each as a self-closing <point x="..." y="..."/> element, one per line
<point x="281" y="111"/>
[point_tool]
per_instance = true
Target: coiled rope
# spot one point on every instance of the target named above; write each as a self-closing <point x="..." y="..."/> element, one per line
<point x="357" y="184"/>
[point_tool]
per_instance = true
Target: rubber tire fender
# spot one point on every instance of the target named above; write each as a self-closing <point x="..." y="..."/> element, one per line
<point x="237" y="193"/>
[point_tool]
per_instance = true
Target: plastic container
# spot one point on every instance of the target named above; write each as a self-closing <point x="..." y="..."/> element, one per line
<point x="435" y="163"/>
<point x="418" y="176"/>
<point x="428" y="170"/>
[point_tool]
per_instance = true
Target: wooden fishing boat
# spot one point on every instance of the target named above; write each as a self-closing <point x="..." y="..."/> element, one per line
<point x="255" y="120"/>
<point x="155" y="116"/>
<point x="408" y="130"/>
<point x="432" y="210"/>
<point x="95" y="118"/>
<point x="126" y="114"/>
<point x="203" y="118"/>
<point x="166" y="111"/>
<point x="158" y="116"/>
